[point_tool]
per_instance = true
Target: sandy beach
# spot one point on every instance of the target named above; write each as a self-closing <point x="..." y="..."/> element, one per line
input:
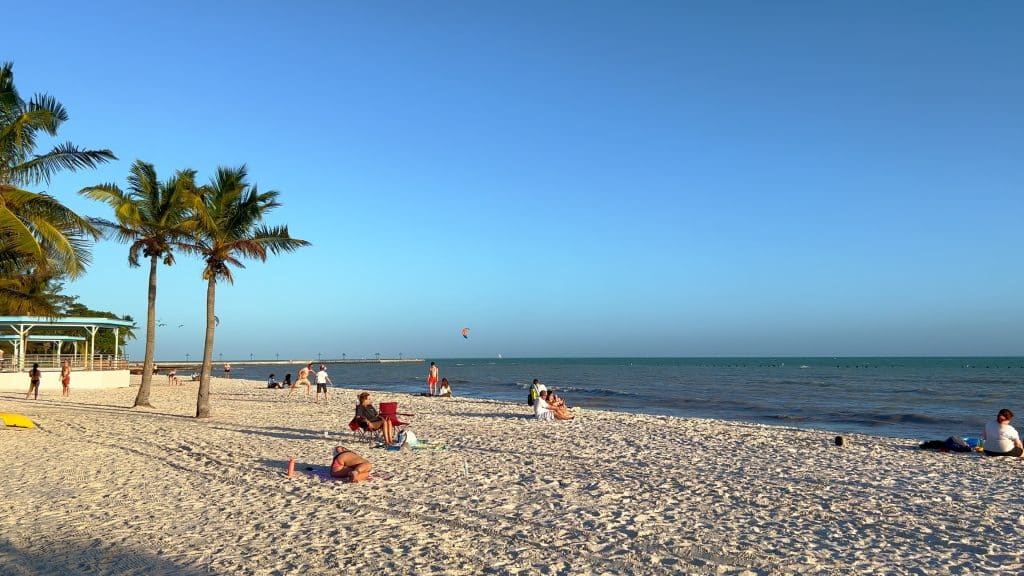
<point x="101" y="488"/>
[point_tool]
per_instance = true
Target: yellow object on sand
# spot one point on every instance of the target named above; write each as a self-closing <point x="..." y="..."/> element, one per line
<point x="17" y="420"/>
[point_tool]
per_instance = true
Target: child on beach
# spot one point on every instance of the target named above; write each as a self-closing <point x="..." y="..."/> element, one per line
<point x="445" y="390"/>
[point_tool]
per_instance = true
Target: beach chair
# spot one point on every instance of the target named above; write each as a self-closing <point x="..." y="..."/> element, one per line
<point x="390" y="411"/>
<point x="359" y="432"/>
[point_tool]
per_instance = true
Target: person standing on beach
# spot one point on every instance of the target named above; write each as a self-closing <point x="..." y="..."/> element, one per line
<point x="1001" y="439"/>
<point x="34" y="376"/>
<point x="227" y="370"/>
<point x="303" y="378"/>
<point x="65" y="379"/>
<point x="322" y="380"/>
<point x="432" y="379"/>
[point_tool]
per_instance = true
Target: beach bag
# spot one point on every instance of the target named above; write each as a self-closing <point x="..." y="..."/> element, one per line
<point x="531" y="398"/>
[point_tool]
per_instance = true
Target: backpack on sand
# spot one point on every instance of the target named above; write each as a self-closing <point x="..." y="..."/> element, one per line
<point x="531" y="398"/>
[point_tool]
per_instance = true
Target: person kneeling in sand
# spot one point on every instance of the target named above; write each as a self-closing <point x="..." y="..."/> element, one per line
<point x="348" y="464"/>
<point x="1001" y="439"/>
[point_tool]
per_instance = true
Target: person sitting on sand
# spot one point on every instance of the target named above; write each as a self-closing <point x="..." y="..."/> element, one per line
<point x="368" y="418"/>
<point x="558" y="407"/>
<point x="348" y="464"/>
<point x="541" y="409"/>
<point x="272" y="382"/>
<point x="287" y="381"/>
<point x="446" y="389"/>
<point x="1001" y="439"/>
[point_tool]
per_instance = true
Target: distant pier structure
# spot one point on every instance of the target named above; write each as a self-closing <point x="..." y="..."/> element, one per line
<point x="136" y="367"/>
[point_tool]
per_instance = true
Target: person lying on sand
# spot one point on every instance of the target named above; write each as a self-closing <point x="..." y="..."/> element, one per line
<point x="348" y="464"/>
<point x="368" y="419"/>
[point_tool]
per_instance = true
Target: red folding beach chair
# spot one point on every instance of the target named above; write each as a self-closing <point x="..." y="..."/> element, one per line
<point x="390" y="411"/>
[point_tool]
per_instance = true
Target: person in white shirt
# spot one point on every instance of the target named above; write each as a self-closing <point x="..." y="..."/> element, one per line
<point x="322" y="380"/>
<point x="541" y="409"/>
<point x="1001" y="439"/>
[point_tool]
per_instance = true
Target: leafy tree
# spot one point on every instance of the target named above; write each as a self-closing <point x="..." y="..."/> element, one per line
<point x="231" y="228"/>
<point x="38" y="234"/>
<point x="151" y="216"/>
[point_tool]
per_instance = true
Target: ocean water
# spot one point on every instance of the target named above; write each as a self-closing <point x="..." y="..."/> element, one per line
<point x="920" y="398"/>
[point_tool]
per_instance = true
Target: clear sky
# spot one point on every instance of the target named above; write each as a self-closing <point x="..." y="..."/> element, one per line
<point x="567" y="178"/>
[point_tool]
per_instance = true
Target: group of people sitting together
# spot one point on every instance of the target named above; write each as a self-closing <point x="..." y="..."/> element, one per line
<point x="547" y="405"/>
<point x="350" y="466"/>
<point x="273" y="383"/>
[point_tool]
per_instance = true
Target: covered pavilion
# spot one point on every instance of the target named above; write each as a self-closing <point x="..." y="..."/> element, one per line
<point x="18" y="330"/>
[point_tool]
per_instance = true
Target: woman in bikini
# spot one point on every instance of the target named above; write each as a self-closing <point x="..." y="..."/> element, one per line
<point x="368" y="418"/>
<point x="348" y="464"/>
<point x="558" y="407"/>
<point x="34" y="376"/>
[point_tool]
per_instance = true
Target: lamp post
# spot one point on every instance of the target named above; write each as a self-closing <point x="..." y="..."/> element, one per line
<point x="186" y="356"/>
<point x="317" y="356"/>
<point x="250" y="356"/>
<point x="277" y="357"/>
<point x="399" y="355"/>
<point x="221" y="356"/>
<point x="378" y="356"/>
<point x="342" y="356"/>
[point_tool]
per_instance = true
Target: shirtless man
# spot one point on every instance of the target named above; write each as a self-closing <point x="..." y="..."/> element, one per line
<point x="348" y="464"/>
<point x="302" y="379"/>
<point x="432" y="379"/>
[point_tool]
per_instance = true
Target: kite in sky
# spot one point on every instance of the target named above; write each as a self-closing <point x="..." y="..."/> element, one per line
<point x="465" y="333"/>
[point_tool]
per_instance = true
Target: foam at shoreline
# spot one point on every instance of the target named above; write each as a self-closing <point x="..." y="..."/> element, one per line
<point x="103" y="489"/>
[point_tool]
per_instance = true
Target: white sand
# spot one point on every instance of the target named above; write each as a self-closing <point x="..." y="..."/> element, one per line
<point x="103" y="489"/>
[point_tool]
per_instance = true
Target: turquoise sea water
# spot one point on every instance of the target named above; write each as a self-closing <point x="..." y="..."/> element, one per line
<point x="905" y="397"/>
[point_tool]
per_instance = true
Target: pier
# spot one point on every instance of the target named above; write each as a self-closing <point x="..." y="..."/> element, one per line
<point x="185" y="365"/>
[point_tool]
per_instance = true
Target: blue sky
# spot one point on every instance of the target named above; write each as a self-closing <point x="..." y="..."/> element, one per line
<point x="567" y="178"/>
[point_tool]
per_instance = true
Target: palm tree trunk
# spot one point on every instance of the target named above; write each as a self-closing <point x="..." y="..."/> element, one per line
<point x="203" y="401"/>
<point x="142" y="399"/>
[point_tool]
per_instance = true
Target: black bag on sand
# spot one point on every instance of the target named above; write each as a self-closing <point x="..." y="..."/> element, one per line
<point x="957" y="444"/>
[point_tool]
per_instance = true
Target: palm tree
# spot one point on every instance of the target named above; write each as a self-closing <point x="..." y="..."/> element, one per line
<point x="38" y="234"/>
<point x="151" y="217"/>
<point x="230" y="228"/>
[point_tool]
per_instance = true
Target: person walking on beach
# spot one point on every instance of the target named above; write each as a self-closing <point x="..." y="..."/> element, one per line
<point x="65" y="379"/>
<point x="303" y="378"/>
<point x="322" y="380"/>
<point x="432" y="379"/>
<point x="1001" y="439"/>
<point x="34" y="376"/>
